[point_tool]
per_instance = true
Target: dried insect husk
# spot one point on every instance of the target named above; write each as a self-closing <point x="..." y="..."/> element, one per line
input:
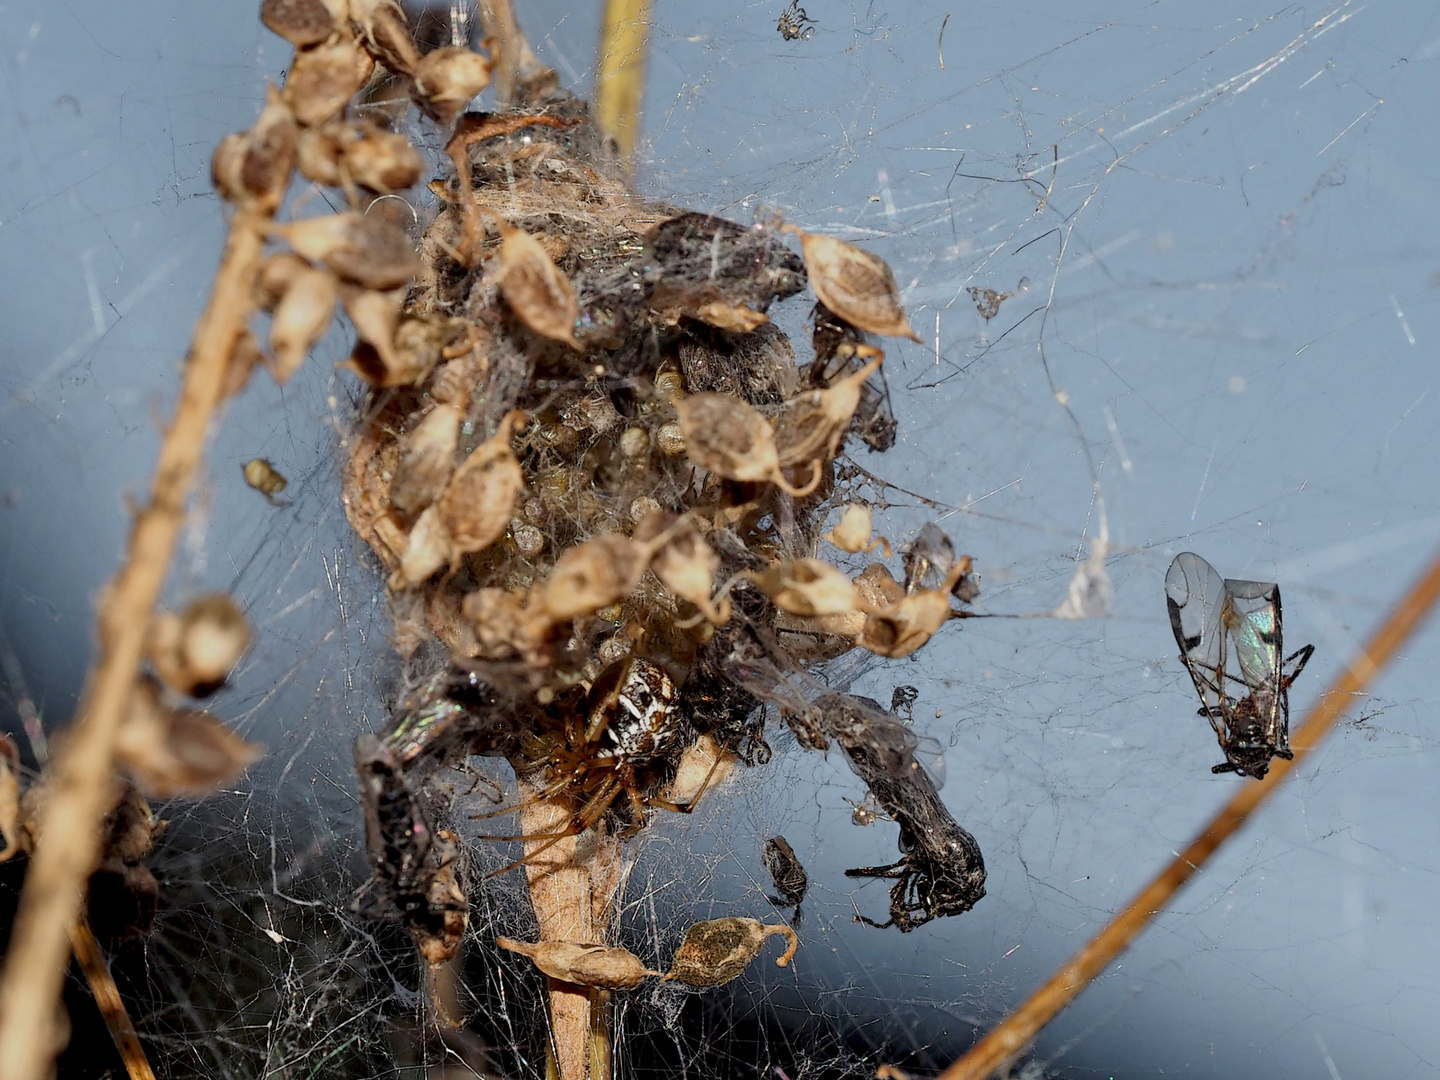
<point x="593" y="575"/>
<point x="716" y="951"/>
<point x="427" y="460"/>
<point x="600" y="966"/>
<point x="178" y="753"/>
<point x="263" y="477"/>
<point x="729" y="438"/>
<point x="855" y="284"/>
<point x="905" y="626"/>
<point x="304" y="22"/>
<point x="687" y="566"/>
<point x="704" y="765"/>
<point x="363" y="250"/>
<point x="193" y="651"/>
<point x="813" y="425"/>
<point x="323" y="79"/>
<point x="300" y="320"/>
<point x="808" y="587"/>
<point x="252" y="168"/>
<point x="359" y="153"/>
<point x="852" y="533"/>
<point x="535" y="288"/>
<point x="477" y="503"/>
<point x="447" y="79"/>
<point x="10" y="797"/>
<point x="427" y="549"/>
<point x="387" y="33"/>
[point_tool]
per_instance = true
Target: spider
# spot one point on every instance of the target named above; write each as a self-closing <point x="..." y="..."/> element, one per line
<point x="794" y="24"/>
<point x="626" y="740"/>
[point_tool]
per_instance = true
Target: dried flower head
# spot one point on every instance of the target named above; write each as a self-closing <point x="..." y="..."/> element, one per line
<point x="174" y="753"/>
<point x="729" y="438"/>
<point x="600" y="966"/>
<point x="477" y="503"/>
<point x="363" y="250"/>
<point x="852" y="533"/>
<point x="812" y="426"/>
<point x="808" y="587"/>
<point x="264" y="478"/>
<point x="427" y="460"/>
<point x="343" y="153"/>
<point x="323" y="79"/>
<point x="716" y="951"/>
<point x="855" y="284"/>
<point x="535" y="288"/>
<point x="304" y="22"/>
<point x="300" y="320"/>
<point x="903" y="627"/>
<point x="193" y="651"/>
<point x="252" y="168"/>
<point x="447" y="79"/>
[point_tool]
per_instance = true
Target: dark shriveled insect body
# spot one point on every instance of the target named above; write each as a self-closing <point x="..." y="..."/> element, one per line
<point x="789" y="877"/>
<point x="941" y="871"/>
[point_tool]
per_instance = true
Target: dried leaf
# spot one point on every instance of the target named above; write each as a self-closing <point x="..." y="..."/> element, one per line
<point x="323" y="79"/>
<point x="599" y="966"/>
<point x="300" y="320"/>
<point x="808" y="587"/>
<point x="194" y="651"/>
<point x="303" y="22"/>
<point x="813" y="425"/>
<point x="535" y="288"/>
<point x="716" y="951"/>
<point x="593" y="575"/>
<point x="477" y="503"/>
<point x="854" y="284"/>
<point x="364" y="250"/>
<point x="178" y="753"/>
<point x="447" y="79"/>
<point x="729" y="438"/>
<point x="427" y="460"/>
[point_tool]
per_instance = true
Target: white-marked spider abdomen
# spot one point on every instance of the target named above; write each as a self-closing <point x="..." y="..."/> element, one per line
<point x="631" y="711"/>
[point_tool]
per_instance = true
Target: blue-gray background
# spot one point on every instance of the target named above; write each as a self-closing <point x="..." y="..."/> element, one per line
<point x="1231" y="282"/>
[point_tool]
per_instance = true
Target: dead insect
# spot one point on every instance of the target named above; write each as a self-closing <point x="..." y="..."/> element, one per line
<point x="988" y="301"/>
<point x="794" y="24"/>
<point x="263" y="477"/>
<point x="789" y="877"/>
<point x="1229" y="633"/>
<point x="718" y="950"/>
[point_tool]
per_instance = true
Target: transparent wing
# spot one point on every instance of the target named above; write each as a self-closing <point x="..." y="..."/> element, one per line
<point x="1195" y="596"/>
<point x="1253" y="625"/>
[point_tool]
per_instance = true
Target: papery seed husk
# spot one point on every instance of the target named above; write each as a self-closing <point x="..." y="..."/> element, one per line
<point x="736" y="317"/>
<point x="477" y="503"/>
<point x="362" y="250"/>
<point x="878" y="587"/>
<point x="300" y="320"/>
<point x="852" y="532"/>
<point x="703" y="766"/>
<point x="244" y="358"/>
<point x="727" y="437"/>
<point x="901" y="629"/>
<point x="318" y="153"/>
<point x="387" y="34"/>
<point x="535" y="288"/>
<point x="855" y="284"/>
<point x="303" y="22"/>
<point x="323" y="79"/>
<point x="426" y="551"/>
<point x="194" y="650"/>
<point x="582" y="964"/>
<point x="593" y="575"/>
<point x="427" y="460"/>
<point x="815" y="423"/>
<point x="502" y="628"/>
<point x="376" y="314"/>
<point x="447" y="79"/>
<point x="277" y="273"/>
<point x="381" y="160"/>
<point x="178" y="753"/>
<point x="687" y="566"/>
<point x="808" y="587"/>
<point x="266" y="167"/>
<point x="718" y="950"/>
<point x="10" y="797"/>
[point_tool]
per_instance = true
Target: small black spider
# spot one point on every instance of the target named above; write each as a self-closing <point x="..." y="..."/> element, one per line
<point x="794" y="24"/>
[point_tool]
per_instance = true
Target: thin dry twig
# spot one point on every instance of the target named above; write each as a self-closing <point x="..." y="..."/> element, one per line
<point x="83" y="786"/>
<point x="108" y="1000"/>
<point x="1017" y="1030"/>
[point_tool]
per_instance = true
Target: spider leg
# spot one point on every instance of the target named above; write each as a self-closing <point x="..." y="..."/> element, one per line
<point x="688" y="808"/>
<point x="590" y="813"/>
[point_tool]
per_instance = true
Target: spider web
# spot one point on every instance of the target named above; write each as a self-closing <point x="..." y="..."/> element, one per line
<point x="1222" y="335"/>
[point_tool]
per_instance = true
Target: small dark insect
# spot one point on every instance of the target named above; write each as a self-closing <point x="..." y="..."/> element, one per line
<point x="1222" y="624"/>
<point x="941" y="871"/>
<point x="903" y="700"/>
<point x="789" y="876"/>
<point x="794" y="24"/>
<point x="988" y="301"/>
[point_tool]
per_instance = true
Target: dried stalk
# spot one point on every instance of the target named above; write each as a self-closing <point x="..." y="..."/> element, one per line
<point x="620" y="72"/>
<point x="1017" y="1030"/>
<point x="82" y="787"/>
<point x="108" y="1000"/>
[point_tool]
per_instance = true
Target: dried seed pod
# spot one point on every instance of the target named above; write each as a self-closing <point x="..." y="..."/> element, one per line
<point x="878" y="587"/>
<point x="180" y="753"/>
<point x="376" y="315"/>
<point x="476" y="505"/>
<point x="457" y="379"/>
<point x="264" y="478"/>
<point x="535" y="288"/>
<point x="359" y="153"/>
<point x="277" y="273"/>
<point x="363" y="250"/>
<point x="808" y="587"/>
<point x="426" y="550"/>
<point x="599" y="966"/>
<point x="252" y="168"/>
<point x="669" y="439"/>
<point x="854" y="283"/>
<point x="324" y="78"/>
<point x="593" y="575"/>
<point x="736" y="317"/>
<point x="300" y="320"/>
<point x="304" y="22"/>
<point x="387" y="34"/>
<point x="195" y="650"/>
<point x="427" y="460"/>
<point x="852" y="533"/>
<point x="903" y="627"/>
<point x="716" y="951"/>
<point x="502" y="629"/>
<point x="813" y="425"/>
<point x="687" y="566"/>
<point x="243" y="360"/>
<point x="447" y="79"/>
<point x="418" y="345"/>
<point x="729" y="438"/>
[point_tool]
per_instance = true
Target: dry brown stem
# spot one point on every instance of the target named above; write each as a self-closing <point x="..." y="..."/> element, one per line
<point x="108" y="1000"/>
<point x="1017" y="1030"/>
<point x="82" y="786"/>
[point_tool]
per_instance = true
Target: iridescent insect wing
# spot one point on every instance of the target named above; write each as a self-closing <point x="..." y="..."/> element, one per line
<point x="1253" y="625"/>
<point x="1195" y="597"/>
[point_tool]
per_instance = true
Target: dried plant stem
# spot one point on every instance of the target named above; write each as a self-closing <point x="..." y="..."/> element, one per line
<point x="108" y="1000"/>
<point x="620" y="73"/>
<point x="1017" y="1030"/>
<point x="572" y="887"/>
<point x="514" y="60"/>
<point x="82" y="786"/>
